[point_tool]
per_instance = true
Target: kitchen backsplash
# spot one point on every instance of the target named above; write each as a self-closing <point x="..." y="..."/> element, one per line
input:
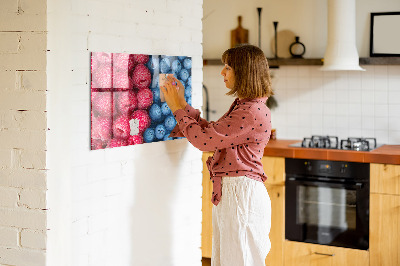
<point x="314" y="102"/>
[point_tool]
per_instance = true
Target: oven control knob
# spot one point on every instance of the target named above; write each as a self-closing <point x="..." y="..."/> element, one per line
<point x="343" y="168"/>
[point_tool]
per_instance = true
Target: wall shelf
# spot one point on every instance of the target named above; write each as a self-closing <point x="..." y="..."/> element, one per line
<point x="274" y="63"/>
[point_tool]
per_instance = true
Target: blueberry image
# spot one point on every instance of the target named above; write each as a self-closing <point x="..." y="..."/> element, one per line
<point x="165" y="65"/>
<point x="148" y="135"/>
<point x="176" y="66"/>
<point x="188" y="91"/>
<point x="189" y="100"/>
<point x="167" y="137"/>
<point x="156" y="95"/>
<point x="181" y="57"/>
<point x="165" y="109"/>
<point x="187" y="63"/>
<point x="160" y="131"/>
<point x="170" y="122"/>
<point x="153" y="63"/>
<point x="155" y="112"/>
<point x="184" y="74"/>
<point x="155" y="82"/>
<point x="189" y="81"/>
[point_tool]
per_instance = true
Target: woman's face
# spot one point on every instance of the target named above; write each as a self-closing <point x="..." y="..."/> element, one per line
<point x="229" y="76"/>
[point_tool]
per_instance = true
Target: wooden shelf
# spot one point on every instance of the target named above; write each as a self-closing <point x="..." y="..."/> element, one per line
<point x="273" y="63"/>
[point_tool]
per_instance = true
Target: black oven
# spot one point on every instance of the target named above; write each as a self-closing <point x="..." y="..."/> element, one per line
<point x="327" y="202"/>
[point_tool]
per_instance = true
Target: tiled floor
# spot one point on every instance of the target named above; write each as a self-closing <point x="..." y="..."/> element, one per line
<point x="206" y="261"/>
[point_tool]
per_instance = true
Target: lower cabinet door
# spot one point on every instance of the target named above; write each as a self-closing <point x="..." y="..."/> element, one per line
<point x="299" y="254"/>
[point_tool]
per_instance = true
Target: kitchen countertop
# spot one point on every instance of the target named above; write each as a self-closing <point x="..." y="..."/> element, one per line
<point x="389" y="154"/>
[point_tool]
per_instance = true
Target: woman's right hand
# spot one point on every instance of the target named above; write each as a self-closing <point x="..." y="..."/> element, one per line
<point x="181" y="91"/>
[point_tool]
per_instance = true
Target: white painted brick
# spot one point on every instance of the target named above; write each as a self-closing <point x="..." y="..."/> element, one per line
<point x="33" y="199"/>
<point x="33" y="239"/>
<point x="34" y="120"/>
<point x="22" y="100"/>
<point x="8" y="6"/>
<point x="33" y="159"/>
<point x="17" y="256"/>
<point x="9" y="237"/>
<point x="20" y="217"/>
<point x="24" y="22"/>
<point x="8" y="197"/>
<point x="36" y="7"/>
<point x="8" y="79"/>
<point x="5" y="158"/>
<point x="12" y="138"/>
<point x="23" y="178"/>
<point x="31" y="80"/>
<point x="9" y="42"/>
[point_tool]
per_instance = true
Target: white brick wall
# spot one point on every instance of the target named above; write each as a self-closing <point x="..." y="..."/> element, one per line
<point x="137" y="205"/>
<point x="23" y="132"/>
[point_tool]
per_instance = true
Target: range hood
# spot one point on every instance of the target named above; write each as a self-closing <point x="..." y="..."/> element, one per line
<point x="341" y="51"/>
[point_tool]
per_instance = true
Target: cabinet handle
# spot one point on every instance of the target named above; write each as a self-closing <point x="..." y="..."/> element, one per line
<point x="324" y="254"/>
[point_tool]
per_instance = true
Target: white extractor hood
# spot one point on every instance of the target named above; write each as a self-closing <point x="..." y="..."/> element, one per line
<point x="341" y="51"/>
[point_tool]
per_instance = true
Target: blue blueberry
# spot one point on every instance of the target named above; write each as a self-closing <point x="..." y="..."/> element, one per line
<point x="148" y="135"/>
<point x="165" y="110"/>
<point x="189" y="100"/>
<point x="160" y="131"/>
<point x="187" y="63"/>
<point x="170" y="122"/>
<point x="156" y="95"/>
<point x="176" y="67"/>
<point x="167" y="137"/>
<point x="184" y="74"/>
<point x="188" y="91"/>
<point x="189" y="81"/>
<point x="165" y="65"/>
<point x="181" y="57"/>
<point x="155" y="112"/>
<point x="153" y="63"/>
<point x="155" y="82"/>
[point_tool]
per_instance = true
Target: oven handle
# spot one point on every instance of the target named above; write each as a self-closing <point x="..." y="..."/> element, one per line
<point x="357" y="185"/>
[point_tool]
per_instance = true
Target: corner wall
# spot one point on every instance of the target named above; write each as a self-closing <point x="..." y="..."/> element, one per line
<point x="135" y="205"/>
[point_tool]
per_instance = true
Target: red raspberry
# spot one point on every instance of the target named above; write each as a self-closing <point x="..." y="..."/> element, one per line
<point x="133" y="140"/>
<point x="101" y="128"/>
<point x="121" y="127"/>
<point x="120" y="62"/>
<point x="141" y="76"/>
<point x="145" y="98"/>
<point x="121" y="80"/>
<point x="126" y="102"/>
<point x="117" y="143"/>
<point x="140" y="58"/>
<point x="144" y="119"/>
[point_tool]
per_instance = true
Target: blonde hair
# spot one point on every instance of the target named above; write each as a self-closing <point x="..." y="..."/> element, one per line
<point x="250" y="66"/>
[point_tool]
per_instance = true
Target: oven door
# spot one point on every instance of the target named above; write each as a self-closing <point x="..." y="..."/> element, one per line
<point x="327" y="213"/>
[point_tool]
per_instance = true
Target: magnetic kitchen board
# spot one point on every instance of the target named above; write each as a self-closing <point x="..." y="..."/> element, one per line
<point x="126" y="107"/>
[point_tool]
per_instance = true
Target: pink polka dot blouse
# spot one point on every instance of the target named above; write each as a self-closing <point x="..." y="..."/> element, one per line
<point x="238" y="139"/>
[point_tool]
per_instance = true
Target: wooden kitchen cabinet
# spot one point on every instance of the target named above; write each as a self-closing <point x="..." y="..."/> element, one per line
<point x="305" y="254"/>
<point x="384" y="215"/>
<point x="274" y="168"/>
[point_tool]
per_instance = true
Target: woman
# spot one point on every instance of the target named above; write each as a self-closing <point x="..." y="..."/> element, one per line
<point x="242" y="208"/>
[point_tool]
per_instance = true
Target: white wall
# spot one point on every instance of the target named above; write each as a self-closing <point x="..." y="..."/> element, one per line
<point x="135" y="205"/>
<point x="23" y="133"/>
<point x="311" y="102"/>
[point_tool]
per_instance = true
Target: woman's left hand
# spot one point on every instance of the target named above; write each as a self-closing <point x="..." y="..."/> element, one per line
<point x="170" y="91"/>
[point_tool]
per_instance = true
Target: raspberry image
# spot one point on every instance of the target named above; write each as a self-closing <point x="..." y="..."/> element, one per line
<point x="117" y="143"/>
<point x="101" y="77"/>
<point x="155" y="113"/>
<point x="148" y="135"/>
<point x="121" y="63"/>
<point x="145" y="98"/>
<point x="170" y="122"/>
<point x="165" y="110"/>
<point x="121" y="127"/>
<point x="102" y="58"/>
<point x="96" y="144"/>
<point x="165" y="65"/>
<point x="141" y="76"/>
<point x="136" y="139"/>
<point x="102" y="103"/>
<point x="144" y="119"/>
<point x="121" y="80"/>
<point x="101" y="128"/>
<point x="187" y="63"/>
<point x="126" y="102"/>
<point x="184" y="74"/>
<point x="160" y="131"/>
<point x="140" y="58"/>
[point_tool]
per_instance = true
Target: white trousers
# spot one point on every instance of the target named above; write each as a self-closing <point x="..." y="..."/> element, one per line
<point x="241" y="223"/>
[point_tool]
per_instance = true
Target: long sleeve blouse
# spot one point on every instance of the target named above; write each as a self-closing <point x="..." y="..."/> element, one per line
<point x="238" y="139"/>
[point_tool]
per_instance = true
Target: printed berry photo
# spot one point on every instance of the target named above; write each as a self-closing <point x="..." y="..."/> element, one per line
<point x="127" y="107"/>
